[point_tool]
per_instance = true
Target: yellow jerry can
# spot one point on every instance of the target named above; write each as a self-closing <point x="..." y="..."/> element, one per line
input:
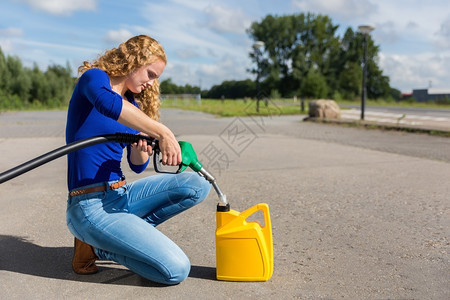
<point x="244" y="249"/>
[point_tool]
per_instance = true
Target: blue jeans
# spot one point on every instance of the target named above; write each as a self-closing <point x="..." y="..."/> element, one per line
<point x="121" y="223"/>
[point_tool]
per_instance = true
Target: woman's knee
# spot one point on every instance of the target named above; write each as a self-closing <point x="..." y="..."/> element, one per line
<point x="192" y="188"/>
<point x="201" y="185"/>
<point x="179" y="270"/>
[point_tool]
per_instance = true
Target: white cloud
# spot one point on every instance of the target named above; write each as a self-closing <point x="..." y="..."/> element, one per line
<point x="387" y="33"/>
<point x="6" y="38"/>
<point x="442" y="36"/>
<point x="408" y="72"/>
<point x="207" y="74"/>
<point x="227" y="68"/>
<point x="444" y="31"/>
<point x="180" y="73"/>
<point x="6" y="45"/>
<point x="117" y="36"/>
<point x="186" y="53"/>
<point x="343" y="9"/>
<point x="225" y="20"/>
<point x="62" y="47"/>
<point x="61" y="8"/>
<point x="199" y="47"/>
<point x="11" y="32"/>
<point x="197" y="5"/>
<point x="183" y="26"/>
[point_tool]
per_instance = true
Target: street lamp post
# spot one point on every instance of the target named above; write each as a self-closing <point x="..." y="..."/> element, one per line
<point x="365" y="30"/>
<point x="257" y="47"/>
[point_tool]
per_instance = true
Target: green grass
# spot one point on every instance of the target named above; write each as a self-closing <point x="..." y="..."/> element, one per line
<point x="233" y="108"/>
<point x="239" y="107"/>
<point x="35" y="106"/>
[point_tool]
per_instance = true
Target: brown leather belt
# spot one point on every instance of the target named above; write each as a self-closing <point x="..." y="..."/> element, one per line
<point x="100" y="188"/>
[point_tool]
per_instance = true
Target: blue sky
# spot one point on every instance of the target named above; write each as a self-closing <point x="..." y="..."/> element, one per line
<point x="206" y="40"/>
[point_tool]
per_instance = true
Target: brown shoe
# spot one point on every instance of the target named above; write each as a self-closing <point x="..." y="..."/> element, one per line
<point x="84" y="258"/>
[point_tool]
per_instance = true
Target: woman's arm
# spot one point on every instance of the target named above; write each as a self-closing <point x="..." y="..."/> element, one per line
<point x="95" y="85"/>
<point x="133" y="117"/>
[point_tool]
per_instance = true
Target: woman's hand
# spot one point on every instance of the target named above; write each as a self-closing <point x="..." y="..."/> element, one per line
<point x="170" y="150"/>
<point x="142" y="145"/>
<point x="140" y="151"/>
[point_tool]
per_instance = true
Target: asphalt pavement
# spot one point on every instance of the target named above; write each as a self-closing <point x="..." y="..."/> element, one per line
<point x="356" y="213"/>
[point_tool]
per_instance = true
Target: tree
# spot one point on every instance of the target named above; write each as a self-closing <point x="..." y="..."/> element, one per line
<point x="377" y="83"/>
<point x="297" y="44"/>
<point x="21" y="86"/>
<point x="5" y="74"/>
<point x="350" y="79"/>
<point x="60" y="84"/>
<point x="20" y="82"/>
<point x="395" y="94"/>
<point x="233" y="89"/>
<point x="352" y="45"/>
<point x="168" y="87"/>
<point x="314" y="85"/>
<point x="294" y="44"/>
<point x="40" y="89"/>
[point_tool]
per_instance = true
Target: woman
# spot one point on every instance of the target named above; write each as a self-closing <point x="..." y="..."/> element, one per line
<point x="110" y="218"/>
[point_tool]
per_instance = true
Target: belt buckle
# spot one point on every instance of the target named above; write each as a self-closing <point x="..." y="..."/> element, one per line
<point x="117" y="184"/>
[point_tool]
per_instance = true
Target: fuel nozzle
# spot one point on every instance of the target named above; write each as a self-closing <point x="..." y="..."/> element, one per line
<point x="189" y="159"/>
<point x="212" y="180"/>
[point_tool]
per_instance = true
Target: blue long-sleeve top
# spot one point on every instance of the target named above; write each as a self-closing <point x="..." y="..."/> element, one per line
<point x="94" y="110"/>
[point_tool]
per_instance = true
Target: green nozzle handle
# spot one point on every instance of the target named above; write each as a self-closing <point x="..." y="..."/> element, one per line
<point x="189" y="157"/>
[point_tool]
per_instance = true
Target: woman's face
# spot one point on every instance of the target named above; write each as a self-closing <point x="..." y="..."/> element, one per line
<point x="143" y="77"/>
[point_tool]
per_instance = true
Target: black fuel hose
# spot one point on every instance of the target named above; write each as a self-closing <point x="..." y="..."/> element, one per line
<point x="127" y="138"/>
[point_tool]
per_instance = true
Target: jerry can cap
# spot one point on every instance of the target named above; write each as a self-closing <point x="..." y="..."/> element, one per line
<point x="223" y="208"/>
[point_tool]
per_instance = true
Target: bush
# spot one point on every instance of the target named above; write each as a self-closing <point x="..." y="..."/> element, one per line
<point x="443" y="100"/>
<point x="410" y="100"/>
<point x="22" y="87"/>
<point x="337" y="96"/>
<point x="275" y="94"/>
<point x="314" y="85"/>
<point x="11" y="102"/>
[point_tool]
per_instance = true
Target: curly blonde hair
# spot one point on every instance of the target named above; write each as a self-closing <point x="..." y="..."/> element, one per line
<point x="130" y="55"/>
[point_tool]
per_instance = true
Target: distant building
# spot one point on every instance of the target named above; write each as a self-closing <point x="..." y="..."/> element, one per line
<point x="431" y="94"/>
<point x="406" y="95"/>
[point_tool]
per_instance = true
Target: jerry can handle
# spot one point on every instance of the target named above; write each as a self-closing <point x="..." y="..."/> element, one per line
<point x="265" y="209"/>
<point x="259" y="207"/>
<point x="267" y="229"/>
